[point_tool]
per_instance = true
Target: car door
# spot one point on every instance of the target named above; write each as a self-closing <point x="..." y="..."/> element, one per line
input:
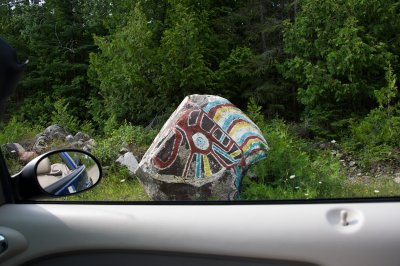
<point x="341" y="232"/>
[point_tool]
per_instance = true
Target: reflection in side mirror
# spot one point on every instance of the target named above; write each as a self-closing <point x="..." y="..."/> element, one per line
<point x="63" y="173"/>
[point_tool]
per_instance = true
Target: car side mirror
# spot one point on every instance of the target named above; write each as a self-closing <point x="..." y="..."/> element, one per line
<point x="57" y="173"/>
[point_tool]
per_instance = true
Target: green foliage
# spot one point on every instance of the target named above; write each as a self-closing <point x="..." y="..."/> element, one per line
<point x="62" y="116"/>
<point x="164" y="53"/>
<point x="15" y="130"/>
<point x="374" y="137"/>
<point x="184" y="70"/>
<point x="233" y="73"/>
<point x="291" y="169"/>
<point x="54" y="37"/>
<point x="125" y="69"/>
<point x="135" y="137"/>
<point x="377" y="129"/>
<point x="386" y="94"/>
<point x="338" y="51"/>
<point x="254" y="113"/>
<point x="36" y="110"/>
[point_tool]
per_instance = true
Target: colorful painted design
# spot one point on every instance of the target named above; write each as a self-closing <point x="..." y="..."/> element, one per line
<point x="207" y="139"/>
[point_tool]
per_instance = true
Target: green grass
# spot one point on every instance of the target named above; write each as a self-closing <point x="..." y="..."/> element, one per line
<point x="361" y="187"/>
<point x="117" y="185"/>
<point x="383" y="186"/>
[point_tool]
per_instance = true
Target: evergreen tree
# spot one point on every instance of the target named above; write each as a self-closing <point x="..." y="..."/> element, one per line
<point x="339" y="51"/>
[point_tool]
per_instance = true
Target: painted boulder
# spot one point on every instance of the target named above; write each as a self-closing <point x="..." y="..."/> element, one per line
<point x="201" y="152"/>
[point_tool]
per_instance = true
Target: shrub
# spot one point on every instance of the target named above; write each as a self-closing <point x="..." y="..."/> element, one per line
<point x="62" y="116"/>
<point x="15" y="130"/>
<point x="374" y="137"/>
<point x="291" y="169"/>
<point x="136" y="137"/>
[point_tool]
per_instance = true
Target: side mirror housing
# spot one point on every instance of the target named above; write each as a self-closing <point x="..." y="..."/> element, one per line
<point x="57" y="173"/>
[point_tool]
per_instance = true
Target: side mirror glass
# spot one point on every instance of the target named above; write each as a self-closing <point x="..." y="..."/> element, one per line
<point x="66" y="172"/>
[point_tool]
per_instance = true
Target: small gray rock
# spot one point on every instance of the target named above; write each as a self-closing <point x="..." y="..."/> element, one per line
<point x="129" y="160"/>
<point x="81" y="136"/>
<point x="91" y="142"/>
<point x="54" y="131"/>
<point x="40" y="145"/>
<point x="123" y="150"/>
<point x="14" y="148"/>
<point x="69" y="139"/>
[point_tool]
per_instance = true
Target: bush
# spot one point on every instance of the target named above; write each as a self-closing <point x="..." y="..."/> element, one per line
<point x="62" y="116"/>
<point x="136" y="137"/>
<point x="15" y="130"/>
<point x="291" y="170"/>
<point x="374" y="137"/>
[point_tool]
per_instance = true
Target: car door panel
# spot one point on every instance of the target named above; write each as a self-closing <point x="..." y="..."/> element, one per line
<point x="310" y="233"/>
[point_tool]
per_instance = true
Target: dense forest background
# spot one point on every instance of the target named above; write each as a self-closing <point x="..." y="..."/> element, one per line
<point x="321" y="70"/>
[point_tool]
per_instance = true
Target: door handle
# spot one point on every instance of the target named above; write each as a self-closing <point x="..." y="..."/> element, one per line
<point x="343" y="218"/>
<point x="3" y="244"/>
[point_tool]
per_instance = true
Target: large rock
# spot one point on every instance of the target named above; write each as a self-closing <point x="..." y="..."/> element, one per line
<point x="201" y="152"/>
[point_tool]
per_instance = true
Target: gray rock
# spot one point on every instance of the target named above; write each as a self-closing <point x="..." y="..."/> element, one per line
<point x="123" y="150"/>
<point x="352" y="163"/>
<point x="81" y="137"/>
<point x="201" y="152"/>
<point x="69" y="139"/>
<point x="88" y="148"/>
<point x="129" y="160"/>
<point x="56" y="137"/>
<point x="91" y="142"/>
<point x="14" y="149"/>
<point x="40" y="145"/>
<point x="322" y="146"/>
<point x="54" y="132"/>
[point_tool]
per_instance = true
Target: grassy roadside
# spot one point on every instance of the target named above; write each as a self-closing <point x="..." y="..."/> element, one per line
<point x="117" y="185"/>
<point x="295" y="168"/>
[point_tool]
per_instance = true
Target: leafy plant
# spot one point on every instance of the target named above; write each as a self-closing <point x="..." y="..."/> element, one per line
<point x="61" y="115"/>
<point x="291" y="169"/>
<point x="135" y="137"/>
<point x="387" y="93"/>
